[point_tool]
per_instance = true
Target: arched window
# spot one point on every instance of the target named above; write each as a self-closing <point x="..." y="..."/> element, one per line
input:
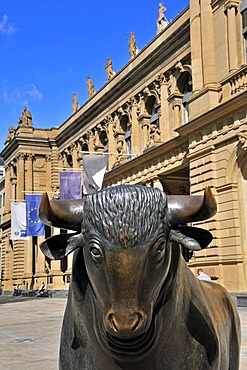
<point x="127" y="138"/>
<point x="126" y="127"/>
<point x="104" y="140"/>
<point x="187" y="91"/>
<point x="154" y="119"/>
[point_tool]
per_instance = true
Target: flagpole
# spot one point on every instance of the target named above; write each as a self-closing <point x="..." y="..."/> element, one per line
<point x="108" y="153"/>
<point x="38" y="192"/>
<point x="69" y="169"/>
<point x="17" y="200"/>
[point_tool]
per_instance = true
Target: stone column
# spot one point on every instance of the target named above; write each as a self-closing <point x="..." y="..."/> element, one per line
<point x="164" y="110"/>
<point x="48" y="171"/>
<point x="111" y="142"/>
<point x="40" y="261"/>
<point x="13" y="189"/>
<point x="207" y="44"/>
<point x="196" y="45"/>
<point x="7" y="191"/>
<point x="176" y="106"/>
<point x="231" y="8"/>
<point x="55" y="165"/>
<point x="91" y="141"/>
<point x="135" y="136"/>
<point x="74" y="155"/>
<point x="28" y="261"/>
<point x="145" y="123"/>
<point x="29" y="168"/>
<point x="21" y="177"/>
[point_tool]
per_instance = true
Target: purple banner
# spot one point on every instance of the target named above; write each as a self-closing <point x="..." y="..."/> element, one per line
<point x="70" y="185"/>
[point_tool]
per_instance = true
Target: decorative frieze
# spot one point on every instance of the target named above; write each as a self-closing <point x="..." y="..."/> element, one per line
<point x="215" y="131"/>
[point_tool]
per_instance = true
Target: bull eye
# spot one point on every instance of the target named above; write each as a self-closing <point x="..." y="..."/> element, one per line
<point x="96" y="252"/>
<point x="159" y="249"/>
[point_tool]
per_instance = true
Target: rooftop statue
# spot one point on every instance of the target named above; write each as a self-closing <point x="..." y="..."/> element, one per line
<point x="26" y="118"/>
<point x="11" y="135"/>
<point x="132" y="45"/>
<point x="133" y="302"/>
<point x="109" y="69"/>
<point x="75" y="105"/>
<point x="90" y="86"/>
<point x="161" y="22"/>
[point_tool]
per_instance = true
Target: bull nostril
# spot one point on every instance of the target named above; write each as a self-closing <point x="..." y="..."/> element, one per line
<point x="126" y="324"/>
<point x="112" y="323"/>
<point x="137" y="321"/>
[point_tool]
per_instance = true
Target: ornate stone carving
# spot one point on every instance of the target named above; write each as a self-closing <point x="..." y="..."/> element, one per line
<point x="154" y="136"/>
<point x="242" y="137"/>
<point x="179" y="67"/>
<point x="170" y="84"/>
<point x="40" y="162"/>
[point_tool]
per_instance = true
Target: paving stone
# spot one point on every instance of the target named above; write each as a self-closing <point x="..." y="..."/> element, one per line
<point x="30" y="334"/>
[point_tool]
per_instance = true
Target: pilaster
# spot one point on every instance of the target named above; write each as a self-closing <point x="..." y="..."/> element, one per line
<point x="231" y="8"/>
<point x="21" y="176"/>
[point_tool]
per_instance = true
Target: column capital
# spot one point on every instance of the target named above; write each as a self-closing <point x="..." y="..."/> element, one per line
<point x="231" y="4"/>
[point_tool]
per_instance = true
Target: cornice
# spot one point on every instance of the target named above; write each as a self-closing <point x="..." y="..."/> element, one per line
<point x="105" y="99"/>
<point x="20" y="143"/>
<point x="147" y="157"/>
<point x="229" y="107"/>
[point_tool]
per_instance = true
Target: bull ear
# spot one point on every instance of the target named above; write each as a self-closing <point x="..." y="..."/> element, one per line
<point x="65" y="214"/>
<point x="191" y="238"/>
<point x="58" y="246"/>
<point x="191" y="208"/>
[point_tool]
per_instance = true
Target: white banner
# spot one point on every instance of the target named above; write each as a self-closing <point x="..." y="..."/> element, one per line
<point x="18" y="221"/>
<point x="94" y="166"/>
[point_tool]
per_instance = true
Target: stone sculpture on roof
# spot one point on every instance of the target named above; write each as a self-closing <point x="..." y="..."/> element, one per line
<point x="161" y="22"/>
<point x="90" y="86"/>
<point x="11" y="135"/>
<point x="109" y="69"/>
<point x="26" y="118"/>
<point x="132" y="45"/>
<point x="75" y="105"/>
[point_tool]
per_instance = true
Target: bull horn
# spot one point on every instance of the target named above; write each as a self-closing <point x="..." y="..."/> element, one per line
<point x="191" y="208"/>
<point x="65" y="214"/>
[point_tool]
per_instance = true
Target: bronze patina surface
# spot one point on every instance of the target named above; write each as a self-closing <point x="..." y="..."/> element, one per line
<point x="133" y="302"/>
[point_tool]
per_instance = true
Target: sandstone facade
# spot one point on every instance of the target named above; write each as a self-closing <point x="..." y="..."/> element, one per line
<point x="174" y="117"/>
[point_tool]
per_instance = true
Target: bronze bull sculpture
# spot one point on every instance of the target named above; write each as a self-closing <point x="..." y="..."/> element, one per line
<point x="133" y="302"/>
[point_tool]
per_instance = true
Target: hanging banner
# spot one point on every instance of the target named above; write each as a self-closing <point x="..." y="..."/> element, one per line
<point x="18" y="221"/>
<point x="70" y="185"/>
<point x="35" y="226"/>
<point x="94" y="170"/>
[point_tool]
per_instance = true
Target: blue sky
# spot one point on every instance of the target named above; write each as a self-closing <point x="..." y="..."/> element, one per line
<point x="49" y="47"/>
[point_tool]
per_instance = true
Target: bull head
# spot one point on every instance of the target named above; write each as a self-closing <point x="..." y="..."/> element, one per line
<point x="180" y="210"/>
<point x="125" y="233"/>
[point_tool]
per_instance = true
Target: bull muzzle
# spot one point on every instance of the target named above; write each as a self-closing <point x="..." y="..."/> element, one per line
<point x="125" y="322"/>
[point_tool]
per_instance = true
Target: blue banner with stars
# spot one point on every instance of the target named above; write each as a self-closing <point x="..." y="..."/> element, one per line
<point x="35" y="226"/>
